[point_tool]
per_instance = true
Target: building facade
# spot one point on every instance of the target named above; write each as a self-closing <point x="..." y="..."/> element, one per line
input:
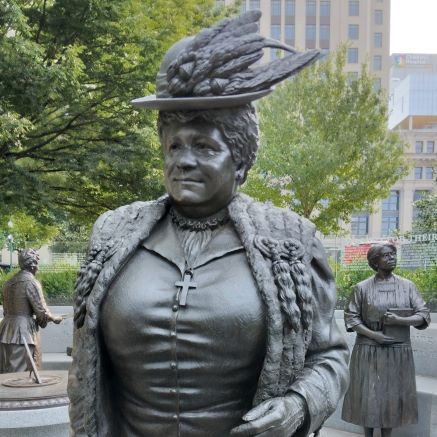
<point x="324" y="24"/>
<point x="413" y="114"/>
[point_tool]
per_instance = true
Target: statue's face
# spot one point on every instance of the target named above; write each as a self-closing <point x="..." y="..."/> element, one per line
<point x="387" y="259"/>
<point x="200" y="174"/>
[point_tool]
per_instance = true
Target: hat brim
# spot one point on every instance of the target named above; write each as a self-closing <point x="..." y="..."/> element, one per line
<point x="193" y="103"/>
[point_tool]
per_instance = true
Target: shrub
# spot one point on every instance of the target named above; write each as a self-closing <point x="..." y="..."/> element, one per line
<point x="58" y="286"/>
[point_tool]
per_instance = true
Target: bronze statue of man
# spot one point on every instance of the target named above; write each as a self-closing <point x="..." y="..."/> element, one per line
<point x="24" y="312"/>
<point x="205" y="312"/>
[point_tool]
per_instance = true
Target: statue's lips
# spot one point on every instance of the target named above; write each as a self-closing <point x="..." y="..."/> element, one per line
<point x="187" y="181"/>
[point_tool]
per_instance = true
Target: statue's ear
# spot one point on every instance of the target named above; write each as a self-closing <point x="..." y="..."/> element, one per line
<point x="241" y="173"/>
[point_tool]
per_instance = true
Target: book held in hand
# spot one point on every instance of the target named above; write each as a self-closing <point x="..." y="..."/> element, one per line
<point x="400" y="333"/>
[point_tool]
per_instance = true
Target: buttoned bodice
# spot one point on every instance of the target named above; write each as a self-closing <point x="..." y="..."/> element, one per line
<point x="184" y="371"/>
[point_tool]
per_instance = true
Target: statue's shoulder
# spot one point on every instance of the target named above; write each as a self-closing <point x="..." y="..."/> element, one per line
<point x="119" y="221"/>
<point x="275" y="218"/>
<point x="406" y="283"/>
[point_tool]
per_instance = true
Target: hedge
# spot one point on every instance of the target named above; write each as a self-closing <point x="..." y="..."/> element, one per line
<point x="59" y="285"/>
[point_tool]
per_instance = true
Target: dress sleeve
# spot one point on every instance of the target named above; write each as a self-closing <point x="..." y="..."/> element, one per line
<point x="352" y="312"/>
<point x="419" y="306"/>
<point x="36" y="298"/>
<point x="325" y="375"/>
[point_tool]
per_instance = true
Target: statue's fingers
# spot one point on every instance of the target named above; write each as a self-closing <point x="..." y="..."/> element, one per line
<point x="260" y="425"/>
<point x="258" y="411"/>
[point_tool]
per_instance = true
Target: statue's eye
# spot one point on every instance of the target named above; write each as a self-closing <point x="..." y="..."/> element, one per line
<point x="175" y="146"/>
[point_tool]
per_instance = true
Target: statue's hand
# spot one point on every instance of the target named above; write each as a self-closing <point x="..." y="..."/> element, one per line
<point x="392" y="319"/>
<point x="380" y="338"/>
<point x="57" y="319"/>
<point x="276" y="417"/>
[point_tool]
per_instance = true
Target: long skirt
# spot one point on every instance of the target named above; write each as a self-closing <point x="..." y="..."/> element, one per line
<point x="13" y="358"/>
<point x="382" y="391"/>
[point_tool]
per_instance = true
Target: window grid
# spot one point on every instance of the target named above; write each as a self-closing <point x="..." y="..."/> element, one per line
<point x="430" y="146"/>
<point x="418" y="194"/>
<point x="275" y="31"/>
<point x="353" y="31"/>
<point x="419" y="147"/>
<point x="390" y="213"/>
<point x="325" y="8"/>
<point x="378" y="40"/>
<point x="290" y="8"/>
<point x="359" y="224"/>
<point x="254" y="4"/>
<point x="352" y="55"/>
<point x="276" y="8"/>
<point x="377" y="63"/>
<point x="243" y="7"/>
<point x="418" y="173"/>
<point x="378" y="16"/>
<point x="289" y="31"/>
<point x="324" y="32"/>
<point x="354" y="8"/>
<point x="429" y="173"/>
<point x="310" y="32"/>
<point x="377" y="84"/>
<point x="311" y="8"/>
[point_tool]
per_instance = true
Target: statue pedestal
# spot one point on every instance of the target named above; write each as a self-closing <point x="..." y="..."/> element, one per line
<point x="37" y="411"/>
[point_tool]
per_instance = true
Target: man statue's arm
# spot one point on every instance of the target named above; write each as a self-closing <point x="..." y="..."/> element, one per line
<point x="314" y="395"/>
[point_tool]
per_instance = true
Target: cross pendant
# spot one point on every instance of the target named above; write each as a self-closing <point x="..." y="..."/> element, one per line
<point x="185" y="285"/>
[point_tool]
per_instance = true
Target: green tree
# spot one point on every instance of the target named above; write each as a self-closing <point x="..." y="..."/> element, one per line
<point x="325" y="149"/>
<point x="426" y="220"/>
<point x="25" y="230"/>
<point x="70" y="143"/>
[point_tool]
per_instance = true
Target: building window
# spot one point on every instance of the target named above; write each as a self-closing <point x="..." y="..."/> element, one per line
<point x="276" y="8"/>
<point x="378" y="16"/>
<point x="325" y="8"/>
<point x="275" y="31"/>
<point x="390" y="213"/>
<point x="419" y="147"/>
<point x="354" y="31"/>
<point x="359" y="224"/>
<point x="352" y="76"/>
<point x="289" y="30"/>
<point x="378" y="40"/>
<point x="418" y="195"/>
<point x="352" y="55"/>
<point x="311" y="8"/>
<point x="430" y="147"/>
<point x="310" y="32"/>
<point x="243" y="7"/>
<point x="377" y="84"/>
<point x="377" y="62"/>
<point x="354" y="8"/>
<point x="324" y="32"/>
<point x="254" y="4"/>
<point x="429" y="173"/>
<point x="290" y="8"/>
<point x="418" y="173"/>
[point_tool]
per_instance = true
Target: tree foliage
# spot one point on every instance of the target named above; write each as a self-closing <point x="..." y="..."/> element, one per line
<point x="325" y="149"/>
<point x="69" y="140"/>
<point x="426" y="220"/>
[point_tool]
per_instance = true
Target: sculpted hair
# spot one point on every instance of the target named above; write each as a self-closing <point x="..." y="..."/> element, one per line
<point x="27" y="258"/>
<point x="239" y="127"/>
<point x="374" y="253"/>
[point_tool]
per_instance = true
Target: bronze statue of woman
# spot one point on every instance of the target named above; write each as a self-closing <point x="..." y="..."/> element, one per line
<point x="25" y="311"/>
<point x="205" y="312"/>
<point x="382" y="391"/>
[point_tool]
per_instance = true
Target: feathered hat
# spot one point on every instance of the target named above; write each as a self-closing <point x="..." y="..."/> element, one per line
<point x="215" y="68"/>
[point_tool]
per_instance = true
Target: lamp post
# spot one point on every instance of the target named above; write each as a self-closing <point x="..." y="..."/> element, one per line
<point x="10" y="243"/>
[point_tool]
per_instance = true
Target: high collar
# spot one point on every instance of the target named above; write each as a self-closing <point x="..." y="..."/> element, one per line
<point x="164" y="241"/>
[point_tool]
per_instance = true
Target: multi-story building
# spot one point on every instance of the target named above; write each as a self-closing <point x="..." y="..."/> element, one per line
<point x="413" y="114"/>
<point x="325" y="24"/>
